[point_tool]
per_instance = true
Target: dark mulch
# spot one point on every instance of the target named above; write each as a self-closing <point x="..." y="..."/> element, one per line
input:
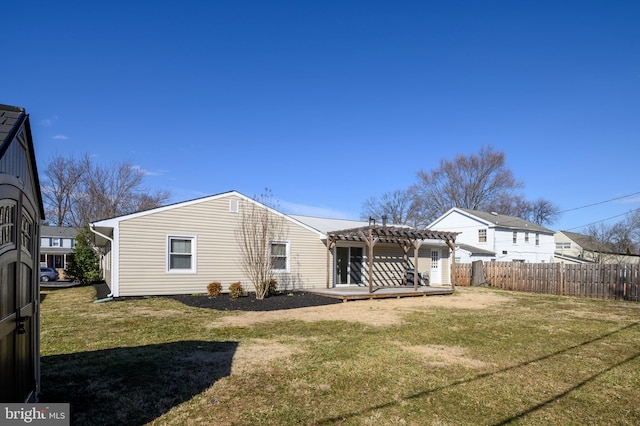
<point x="287" y="300"/>
<point x="293" y="300"/>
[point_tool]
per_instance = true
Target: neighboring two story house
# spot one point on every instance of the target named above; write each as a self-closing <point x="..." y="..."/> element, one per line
<point x="572" y="247"/>
<point x="56" y="246"/>
<point x="496" y="237"/>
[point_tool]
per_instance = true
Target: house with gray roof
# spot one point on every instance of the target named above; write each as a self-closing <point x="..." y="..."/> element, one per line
<point x="509" y="238"/>
<point x="573" y="247"/>
<point x="57" y="246"/>
<point x="180" y="248"/>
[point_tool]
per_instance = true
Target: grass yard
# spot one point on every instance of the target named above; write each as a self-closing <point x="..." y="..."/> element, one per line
<point x="480" y="356"/>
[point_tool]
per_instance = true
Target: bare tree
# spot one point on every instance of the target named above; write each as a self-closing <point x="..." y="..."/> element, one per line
<point x="261" y="237"/>
<point x="477" y="182"/>
<point x="540" y="211"/>
<point x="612" y="242"/>
<point x="396" y="206"/>
<point x="472" y="182"/>
<point x="80" y="191"/>
<point x="62" y="178"/>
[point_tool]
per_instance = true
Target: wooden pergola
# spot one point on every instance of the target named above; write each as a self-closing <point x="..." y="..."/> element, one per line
<point x="406" y="237"/>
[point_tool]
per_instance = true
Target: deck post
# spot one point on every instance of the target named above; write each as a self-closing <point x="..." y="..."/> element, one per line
<point x="330" y="244"/>
<point x="370" y="244"/>
<point x="452" y="246"/>
<point x="416" y="248"/>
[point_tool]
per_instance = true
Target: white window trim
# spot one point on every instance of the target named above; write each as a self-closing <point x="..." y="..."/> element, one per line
<point x="194" y="250"/>
<point x="287" y="244"/>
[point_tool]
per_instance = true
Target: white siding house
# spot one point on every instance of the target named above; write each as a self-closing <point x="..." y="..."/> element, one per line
<point x="57" y="245"/>
<point x="508" y="238"/>
<point x="180" y="248"/>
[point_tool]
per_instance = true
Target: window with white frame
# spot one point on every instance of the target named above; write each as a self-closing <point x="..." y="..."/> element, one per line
<point x="55" y="242"/>
<point x="482" y="235"/>
<point x="181" y="254"/>
<point x="537" y="239"/>
<point x="515" y="237"/>
<point x="280" y="256"/>
<point x="526" y="237"/>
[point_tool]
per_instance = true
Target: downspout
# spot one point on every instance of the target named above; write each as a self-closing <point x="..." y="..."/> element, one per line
<point x="93" y="229"/>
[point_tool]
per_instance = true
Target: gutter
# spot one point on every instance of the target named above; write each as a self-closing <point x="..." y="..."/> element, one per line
<point x="93" y="229"/>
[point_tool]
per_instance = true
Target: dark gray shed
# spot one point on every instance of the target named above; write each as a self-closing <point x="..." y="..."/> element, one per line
<point x="21" y="211"/>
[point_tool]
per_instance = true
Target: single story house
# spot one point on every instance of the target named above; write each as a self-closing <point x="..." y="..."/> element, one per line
<point x="180" y="248"/>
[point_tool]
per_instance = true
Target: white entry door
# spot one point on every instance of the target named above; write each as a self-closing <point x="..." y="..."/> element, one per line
<point x="435" y="276"/>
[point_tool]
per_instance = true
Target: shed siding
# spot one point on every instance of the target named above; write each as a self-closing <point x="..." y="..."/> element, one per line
<point x="143" y="251"/>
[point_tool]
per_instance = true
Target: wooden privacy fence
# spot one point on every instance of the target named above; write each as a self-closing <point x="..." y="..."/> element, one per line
<point x="601" y="281"/>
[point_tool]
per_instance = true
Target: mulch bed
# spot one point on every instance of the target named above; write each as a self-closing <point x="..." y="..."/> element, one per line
<point x="288" y="300"/>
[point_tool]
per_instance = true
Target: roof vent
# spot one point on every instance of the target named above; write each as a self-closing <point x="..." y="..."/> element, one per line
<point x="494" y="213"/>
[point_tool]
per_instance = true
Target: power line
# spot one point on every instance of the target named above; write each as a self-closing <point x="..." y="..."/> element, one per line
<point x="604" y="220"/>
<point x="599" y="202"/>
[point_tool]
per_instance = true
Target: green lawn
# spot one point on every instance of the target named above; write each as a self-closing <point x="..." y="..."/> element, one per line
<point x="528" y="359"/>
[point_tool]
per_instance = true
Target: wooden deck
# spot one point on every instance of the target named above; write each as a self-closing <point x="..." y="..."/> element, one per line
<point x="362" y="292"/>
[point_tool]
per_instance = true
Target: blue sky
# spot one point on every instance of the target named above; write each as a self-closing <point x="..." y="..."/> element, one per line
<point x="329" y="103"/>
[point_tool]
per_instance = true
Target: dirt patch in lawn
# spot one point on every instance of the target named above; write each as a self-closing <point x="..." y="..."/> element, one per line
<point x="376" y="312"/>
<point x="442" y="356"/>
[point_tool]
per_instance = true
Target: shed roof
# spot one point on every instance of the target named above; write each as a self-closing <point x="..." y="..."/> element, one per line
<point x="14" y="123"/>
<point x="10" y="117"/>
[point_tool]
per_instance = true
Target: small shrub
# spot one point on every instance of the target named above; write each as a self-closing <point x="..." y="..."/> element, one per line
<point x="272" y="287"/>
<point x="214" y="288"/>
<point x="236" y="290"/>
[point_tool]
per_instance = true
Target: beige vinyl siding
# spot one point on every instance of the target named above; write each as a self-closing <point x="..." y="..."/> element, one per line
<point x="388" y="267"/>
<point x="445" y="262"/>
<point x="143" y="251"/>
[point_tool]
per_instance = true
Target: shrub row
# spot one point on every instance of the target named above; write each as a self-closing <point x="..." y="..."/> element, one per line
<point x="236" y="290"/>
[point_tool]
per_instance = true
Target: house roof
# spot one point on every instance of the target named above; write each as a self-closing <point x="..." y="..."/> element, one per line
<point x="475" y="250"/>
<point x="58" y="231"/>
<point x="586" y="242"/>
<point x="560" y="256"/>
<point x="325" y="225"/>
<point x="112" y="222"/>
<point x="504" y="221"/>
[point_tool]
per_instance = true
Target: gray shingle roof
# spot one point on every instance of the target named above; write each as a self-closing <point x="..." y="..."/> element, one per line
<point x="586" y="242"/>
<point x="58" y="231"/>
<point x="509" y="222"/>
